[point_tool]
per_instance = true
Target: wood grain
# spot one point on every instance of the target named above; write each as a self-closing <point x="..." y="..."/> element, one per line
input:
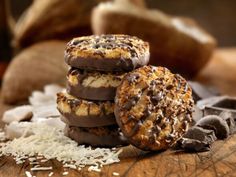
<point x="220" y="161"/>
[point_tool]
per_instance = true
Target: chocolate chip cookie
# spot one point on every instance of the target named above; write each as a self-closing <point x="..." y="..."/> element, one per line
<point x="153" y="107"/>
<point x="108" y="136"/>
<point x="93" y="85"/>
<point x="107" y="53"/>
<point x="83" y="113"/>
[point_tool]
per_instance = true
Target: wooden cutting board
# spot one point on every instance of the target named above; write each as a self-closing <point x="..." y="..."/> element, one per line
<point x="220" y="161"/>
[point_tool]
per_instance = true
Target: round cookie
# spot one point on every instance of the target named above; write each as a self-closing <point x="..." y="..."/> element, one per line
<point x="153" y="107"/>
<point x="108" y="136"/>
<point x="107" y="53"/>
<point x="93" y="85"/>
<point x="83" y="113"/>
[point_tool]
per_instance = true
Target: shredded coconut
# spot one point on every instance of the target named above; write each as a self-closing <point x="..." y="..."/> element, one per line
<point x="28" y="174"/>
<point x="43" y="139"/>
<point x="65" y="173"/>
<point x="50" y="142"/>
<point x="115" y="174"/>
<point x="44" y="160"/>
<point x="69" y="166"/>
<point x="41" y="168"/>
<point x="50" y="174"/>
<point x="94" y="168"/>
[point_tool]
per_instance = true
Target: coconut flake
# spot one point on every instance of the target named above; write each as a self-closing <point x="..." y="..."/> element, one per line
<point x="115" y="174"/>
<point x="19" y="113"/>
<point x="53" y="122"/>
<point x="65" y="173"/>
<point x="16" y="130"/>
<point x="45" y="111"/>
<point x="41" y="168"/>
<point x="28" y="174"/>
<point x="50" y="174"/>
<point x="52" y="90"/>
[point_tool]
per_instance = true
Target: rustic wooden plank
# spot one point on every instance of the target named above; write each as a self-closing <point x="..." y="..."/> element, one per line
<point x="220" y="161"/>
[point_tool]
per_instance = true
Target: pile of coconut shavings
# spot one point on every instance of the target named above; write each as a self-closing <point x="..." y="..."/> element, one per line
<point x="50" y="143"/>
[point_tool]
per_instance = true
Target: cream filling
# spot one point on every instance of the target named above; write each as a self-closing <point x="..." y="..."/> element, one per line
<point x="97" y="80"/>
<point x="104" y="80"/>
<point x="83" y="108"/>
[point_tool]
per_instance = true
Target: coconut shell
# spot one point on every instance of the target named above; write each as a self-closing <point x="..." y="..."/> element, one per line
<point x="56" y="19"/>
<point x="53" y="19"/>
<point x="179" y="44"/>
<point x="34" y="67"/>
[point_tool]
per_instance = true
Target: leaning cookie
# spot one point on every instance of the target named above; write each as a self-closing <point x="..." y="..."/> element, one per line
<point x="83" y="113"/>
<point x="93" y="85"/>
<point x="108" y="136"/>
<point x="107" y="53"/>
<point x="153" y="107"/>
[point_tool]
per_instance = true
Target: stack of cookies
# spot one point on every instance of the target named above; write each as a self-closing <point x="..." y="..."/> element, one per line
<point x="98" y="64"/>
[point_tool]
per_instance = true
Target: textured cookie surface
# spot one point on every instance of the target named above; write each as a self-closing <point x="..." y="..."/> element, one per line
<point x="153" y="107"/>
<point x="83" y="113"/>
<point x="93" y="85"/>
<point x="98" y="136"/>
<point x="107" y="52"/>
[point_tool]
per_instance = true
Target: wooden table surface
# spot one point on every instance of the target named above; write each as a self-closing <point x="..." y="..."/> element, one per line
<point x="220" y="161"/>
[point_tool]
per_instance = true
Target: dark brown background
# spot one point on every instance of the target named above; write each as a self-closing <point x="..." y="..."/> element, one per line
<point x="217" y="16"/>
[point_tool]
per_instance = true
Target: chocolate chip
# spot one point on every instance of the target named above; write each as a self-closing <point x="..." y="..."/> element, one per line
<point x="197" y="139"/>
<point x="157" y="120"/>
<point x="133" y="53"/>
<point x="156" y="129"/>
<point x="156" y="98"/>
<point x="129" y="44"/>
<point x="170" y="137"/>
<point x="132" y="78"/>
<point x="153" y="82"/>
<point x="193" y="145"/>
<point x="130" y="118"/>
<point x="96" y="46"/>
<point x="163" y="126"/>
<point x="169" y="87"/>
<point x="74" y="103"/>
<point x="216" y="123"/>
<point x="76" y="42"/>
<point x="135" y="129"/>
<point x="147" y="112"/>
<point x="229" y="118"/>
<point x="201" y="134"/>
<point x="99" y="52"/>
<point x="132" y="101"/>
